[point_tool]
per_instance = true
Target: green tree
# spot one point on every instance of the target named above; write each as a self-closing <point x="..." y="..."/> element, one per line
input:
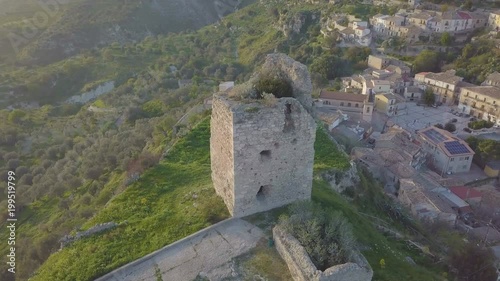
<point x="474" y="263"/>
<point x="427" y="60"/>
<point x="450" y="127"/>
<point x="468" y="5"/>
<point x="446" y="39"/>
<point x="153" y="108"/>
<point x="16" y="115"/>
<point x="429" y="97"/>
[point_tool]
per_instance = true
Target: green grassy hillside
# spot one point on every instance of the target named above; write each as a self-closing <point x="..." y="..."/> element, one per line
<point x="64" y="28"/>
<point x="160" y="209"/>
<point x="169" y="202"/>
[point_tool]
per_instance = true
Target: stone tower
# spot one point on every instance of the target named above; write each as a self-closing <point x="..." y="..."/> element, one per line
<point x="262" y="154"/>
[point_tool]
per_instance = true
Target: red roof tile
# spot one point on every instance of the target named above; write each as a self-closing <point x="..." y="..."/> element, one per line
<point x="464" y="15"/>
<point x="461" y="191"/>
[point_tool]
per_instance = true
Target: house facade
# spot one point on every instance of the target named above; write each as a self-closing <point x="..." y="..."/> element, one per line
<point x="449" y="153"/>
<point x="347" y="102"/>
<point x="445" y="85"/>
<point x="494" y="20"/>
<point x="389" y="104"/>
<point x="413" y="93"/>
<point x="481" y="102"/>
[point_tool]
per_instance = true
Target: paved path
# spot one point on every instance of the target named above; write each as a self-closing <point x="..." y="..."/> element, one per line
<point x="207" y="251"/>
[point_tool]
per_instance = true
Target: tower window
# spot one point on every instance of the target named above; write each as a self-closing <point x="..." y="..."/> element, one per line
<point x="265" y="155"/>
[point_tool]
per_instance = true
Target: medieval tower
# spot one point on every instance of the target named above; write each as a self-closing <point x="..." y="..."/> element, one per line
<point x="262" y="153"/>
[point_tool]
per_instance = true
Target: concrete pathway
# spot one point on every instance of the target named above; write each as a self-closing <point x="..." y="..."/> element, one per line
<point x="208" y="252"/>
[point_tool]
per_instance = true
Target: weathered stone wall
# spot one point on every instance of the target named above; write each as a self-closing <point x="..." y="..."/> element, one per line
<point x="274" y="156"/>
<point x="262" y="155"/>
<point x="296" y="73"/>
<point x="302" y="268"/>
<point x="222" y="151"/>
<point x="262" y="150"/>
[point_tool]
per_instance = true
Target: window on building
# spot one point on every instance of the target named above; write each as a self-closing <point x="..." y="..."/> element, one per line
<point x="484" y="99"/>
<point x="467" y="158"/>
<point x="367" y="109"/>
<point x="452" y="159"/>
<point x="356" y="105"/>
<point x="494" y="102"/>
<point x="349" y="104"/>
<point x="341" y="104"/>
<point x="476" y="97"/>
<point x="447" y="86"/>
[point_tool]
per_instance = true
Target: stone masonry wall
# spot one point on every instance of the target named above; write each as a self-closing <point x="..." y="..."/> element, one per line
<point x="262" y="155"/>
<point x="222" y="152"/>
<point x="302" y="268"/>
<point x="262" y="151"/>
<point x="273" y="156"/>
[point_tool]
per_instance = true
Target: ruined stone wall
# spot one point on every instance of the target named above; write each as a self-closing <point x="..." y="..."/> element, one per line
<point x="273" y="156"/>
<point x="262" y="150"/>
<point x="302" y="268"/>
<point x="222" y="152"/>
<point x="262" y="155"/>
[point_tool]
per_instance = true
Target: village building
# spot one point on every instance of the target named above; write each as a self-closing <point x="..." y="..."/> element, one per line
<point x="389" y="104"/>
<point x="394" y="157"/>
<point x="357" y="104"/>
<point x="492" y="80"/>
<point x="449" y="153"/>
<point x="413" y="93"/>
<point x="425" y="204"/>
<point x="481" y="102"/>
<point x="445" y="85"/>
<point x="494" y="20"/>
<point x="468" y="194"/>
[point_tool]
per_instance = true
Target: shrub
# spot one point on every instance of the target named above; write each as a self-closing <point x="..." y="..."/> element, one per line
<point x="450" y="127"/>
<point x="326" y="236"/>
<point x="480" y="124"/>
<point x="273" y="84"/>
<point x="438" y="125"/>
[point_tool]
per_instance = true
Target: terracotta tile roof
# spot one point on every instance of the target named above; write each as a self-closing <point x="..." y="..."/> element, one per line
<point x="342" y="96"/>
<point x="465" y="192"/>
<point x="464" y="15"/>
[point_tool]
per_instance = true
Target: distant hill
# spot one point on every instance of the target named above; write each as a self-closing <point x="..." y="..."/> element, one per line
<point x="33" y="32"/>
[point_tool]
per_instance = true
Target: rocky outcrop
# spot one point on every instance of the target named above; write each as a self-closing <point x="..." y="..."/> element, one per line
<point x="302" y="268"/>
<point x="340" y="180"/>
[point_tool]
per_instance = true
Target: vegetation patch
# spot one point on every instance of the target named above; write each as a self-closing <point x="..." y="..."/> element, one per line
<point x="326" y="236"/>
<point x="273" y="83"/>
<point x="480" y="124"/>
<point x="169" y="202"/>
<point x="326" y="154"/>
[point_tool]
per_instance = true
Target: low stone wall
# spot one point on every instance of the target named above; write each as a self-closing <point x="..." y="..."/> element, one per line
<point x="68" y="239"/>
<point x="302" y="268"/>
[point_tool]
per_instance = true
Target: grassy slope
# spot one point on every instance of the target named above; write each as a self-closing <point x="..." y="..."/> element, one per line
<point x="158" y="209"/>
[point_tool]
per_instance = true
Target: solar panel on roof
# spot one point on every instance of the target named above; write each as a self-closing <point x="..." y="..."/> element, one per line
<point x="455" y="147"/>
<point x="435" y="136"/>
